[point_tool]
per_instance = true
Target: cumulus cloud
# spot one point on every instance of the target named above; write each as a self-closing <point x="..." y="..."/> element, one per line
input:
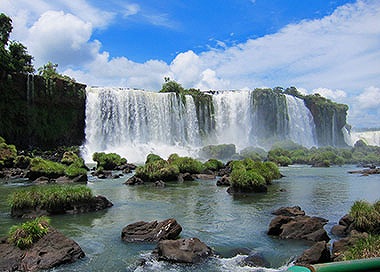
<point x="332" y="94"/>
<point x="61" y="38"/>
<point x="369" y="99"/>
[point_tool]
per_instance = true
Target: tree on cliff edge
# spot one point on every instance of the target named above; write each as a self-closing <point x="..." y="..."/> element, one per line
<point x="13" y="55"/>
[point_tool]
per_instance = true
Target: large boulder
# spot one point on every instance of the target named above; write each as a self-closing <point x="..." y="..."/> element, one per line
<point x="289" y="211"/>
<point x="190" y="250"/>
<point x="288" y="226"/>
<point x="51" y="250"/>
<point x="340" y="246"/>
<point x="318" y="253"/>
<point x="344" y="227"/>
<point x="151" y="231"/>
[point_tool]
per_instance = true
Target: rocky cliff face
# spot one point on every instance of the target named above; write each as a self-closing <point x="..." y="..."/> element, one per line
<point x="329" y="119"/>
<point x="41" y="113"/>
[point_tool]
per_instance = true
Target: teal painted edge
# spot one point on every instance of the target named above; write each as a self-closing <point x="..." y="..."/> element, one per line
<point x="298" y="268"/>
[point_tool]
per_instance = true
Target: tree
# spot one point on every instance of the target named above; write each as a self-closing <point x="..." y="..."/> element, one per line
<point x="21" y="61"/>
<point x="5" y="29"/>
<point x="49" y="70"/>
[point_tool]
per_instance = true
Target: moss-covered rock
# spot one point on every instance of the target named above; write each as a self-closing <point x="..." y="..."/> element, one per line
<point x="22" y="162"/>
<point x="7" y="154"/>
<point x="157" y="170"/>
<point x="108" y="161"/>
<point x="220" y="152"/>
<point x="40" y="167"/>
<point x="213" y="165"/>
<point x="187" y="165"/>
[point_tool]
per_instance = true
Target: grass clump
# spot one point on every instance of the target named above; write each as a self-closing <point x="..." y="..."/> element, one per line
<point x="50" y="198"/>
<point x="7" y="154"/>
<point x="363" y="248"/>
<point x="25" y="235"/>
<point x="47" y="168"/>
<point x="366" y="216"/>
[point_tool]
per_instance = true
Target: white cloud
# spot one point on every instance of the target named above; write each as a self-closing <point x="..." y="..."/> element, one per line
<point x="332" y="94"/>
<point x="131" y="9"/>
<point x="369" y="99"/>
<point x="61" y="38"/>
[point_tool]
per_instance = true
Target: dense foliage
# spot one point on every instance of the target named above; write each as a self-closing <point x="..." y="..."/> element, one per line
<point x="108" y="161"/>
<point x="25" y="234"/>
<point x="7" y="154"/>
<point x="252" y="176"/>
<point x="366" y="218"/>
<point x="50" y="197"/>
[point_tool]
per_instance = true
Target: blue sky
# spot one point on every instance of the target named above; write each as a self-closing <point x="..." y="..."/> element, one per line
<point x="329" y="47"/>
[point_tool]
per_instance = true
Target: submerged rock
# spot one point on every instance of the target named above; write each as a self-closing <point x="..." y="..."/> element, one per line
<point x="151" y="231"/>
<point x="191" y="250"/>
<point x="256" y="260"/>
<point x="50" y="251"/>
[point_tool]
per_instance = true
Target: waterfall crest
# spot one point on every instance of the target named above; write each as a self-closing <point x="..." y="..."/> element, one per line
<point x="134" y="123"/>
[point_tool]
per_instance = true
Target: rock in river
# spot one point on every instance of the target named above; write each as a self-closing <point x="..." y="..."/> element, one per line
<point x="151" y="231"/>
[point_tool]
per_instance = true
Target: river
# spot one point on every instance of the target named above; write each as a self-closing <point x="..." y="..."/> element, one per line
<point x="222" y="221"/>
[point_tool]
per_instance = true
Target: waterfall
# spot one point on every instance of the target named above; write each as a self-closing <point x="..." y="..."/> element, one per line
<point x="234" y="118"/>
<point x="369" y="137"/>
<point x="301" y="123"/>
<point x="134" y="123"/>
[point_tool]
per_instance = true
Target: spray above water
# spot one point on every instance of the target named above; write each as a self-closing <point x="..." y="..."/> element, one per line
<point x="134" y="123"/>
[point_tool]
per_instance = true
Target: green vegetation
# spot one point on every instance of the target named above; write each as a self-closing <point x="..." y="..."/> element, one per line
<point x="187" y="165"/>
<point x="157" y="170"/>
<point x="368" y="247"/>
<point x="7" y="154"/>
<point x="47" y="168"/>
<point x="13" y="55"/>
<point x="22" y="162"/>
<point x="108" y="161"/>
<point x="51" y="197"/>
<point x="26" y="234"/>
<point x="213" y="165"/>
<point x="366" y="216"/>
<point x="252" y="176"/>
<point x="49" y="71"/>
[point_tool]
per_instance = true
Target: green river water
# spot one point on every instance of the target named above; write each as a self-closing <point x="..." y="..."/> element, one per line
<point x="222" y="221"/>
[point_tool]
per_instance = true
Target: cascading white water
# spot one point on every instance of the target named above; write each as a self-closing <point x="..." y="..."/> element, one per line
<point x="369" y="137"/>
<point x="234" y="118"/>
<point x="301" y="123"/>
<point x="134" y="123"/>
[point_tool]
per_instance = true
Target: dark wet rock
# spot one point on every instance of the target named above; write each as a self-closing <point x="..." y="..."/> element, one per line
<point x="13" y="173"/>
<point x="97" y="203"/>
<point x="366" y="172"/>
<point x="185" y="177"/>
<point x="256" y="260"/>
<point x="318" y="253"/>
<point x="344" y="227"/>
<point x="134" y="181"/>
<point x="223" y="181"/>
<point x="191" y="250"/>
<point x="103" y="174"/>
<point x="159" y="183"/>
<point x="298" y="227"/>
<point x="50" y="251"/>
<point x="41" y="180"/>
<point x="253" y="189"/>
<point x="151" y="231"/>
<point x="289" y="211"/>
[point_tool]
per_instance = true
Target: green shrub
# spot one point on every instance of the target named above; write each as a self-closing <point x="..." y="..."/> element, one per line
<point x="188" y="165"/>
<point x="157" y="170"/>
<point x="254" y="153"/>
<point x="24" y="235"/>
<point x="108" y="161"/>
<point x="246" y="180"/>
<point x="364" y="248"/>
<point x="213" y="165"/>
<point x="154" y="157"/>
<point x="7" y="155"/>
<point x="75" y="169"/>
<point x="46" y="167"/>
<point x="70" y="157"/>
<point x="22" y="162"/>
<point x="366" y="216"/>
<point x="50" y="197"/>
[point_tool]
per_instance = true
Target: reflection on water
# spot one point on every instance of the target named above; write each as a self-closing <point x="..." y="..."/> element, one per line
<point x="205" y="211"/>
